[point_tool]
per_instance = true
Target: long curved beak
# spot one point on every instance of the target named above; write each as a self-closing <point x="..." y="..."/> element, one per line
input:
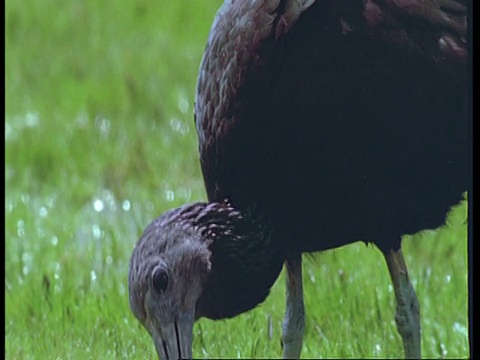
<point x="174" y="340"/>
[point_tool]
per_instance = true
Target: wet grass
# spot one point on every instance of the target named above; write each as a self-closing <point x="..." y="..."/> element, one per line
<point x="100" y="140"/>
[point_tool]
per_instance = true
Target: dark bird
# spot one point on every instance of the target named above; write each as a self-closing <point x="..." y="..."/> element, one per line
<point x="320" y="123"/>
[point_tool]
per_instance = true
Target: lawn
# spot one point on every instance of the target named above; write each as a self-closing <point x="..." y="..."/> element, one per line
<point x="99" y="140"/>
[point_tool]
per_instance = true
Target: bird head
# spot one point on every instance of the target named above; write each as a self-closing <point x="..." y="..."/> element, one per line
<point x="199" y="260"/>
<point x="168" y="269"/>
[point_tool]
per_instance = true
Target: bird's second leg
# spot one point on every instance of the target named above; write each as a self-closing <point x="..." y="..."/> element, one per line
<point x="294" y="323"/>
<point x="408" y="310"/>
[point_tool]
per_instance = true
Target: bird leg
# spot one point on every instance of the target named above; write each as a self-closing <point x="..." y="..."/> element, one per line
<point x="294" y="323"/>
<point x="408" y="310"/>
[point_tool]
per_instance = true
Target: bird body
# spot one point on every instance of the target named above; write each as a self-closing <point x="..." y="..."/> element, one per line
<point x="334" y="132"/>
<point x="320" y="123"/>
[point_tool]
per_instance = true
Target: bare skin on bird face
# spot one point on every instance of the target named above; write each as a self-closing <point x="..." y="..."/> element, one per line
<point x="165" y="281"/>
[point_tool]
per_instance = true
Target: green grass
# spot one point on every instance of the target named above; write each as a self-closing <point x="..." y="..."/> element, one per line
<point x="100" y="140"/>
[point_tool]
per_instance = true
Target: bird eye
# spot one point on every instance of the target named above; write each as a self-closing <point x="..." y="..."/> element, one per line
<point x="159" y="280"/>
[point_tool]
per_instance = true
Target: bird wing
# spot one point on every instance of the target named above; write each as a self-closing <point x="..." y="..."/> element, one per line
<point x="237" y="34"/>
<point x="240" y="28"/>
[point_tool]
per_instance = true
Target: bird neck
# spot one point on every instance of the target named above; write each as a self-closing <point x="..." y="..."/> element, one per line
<point x="245" y="262"/>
